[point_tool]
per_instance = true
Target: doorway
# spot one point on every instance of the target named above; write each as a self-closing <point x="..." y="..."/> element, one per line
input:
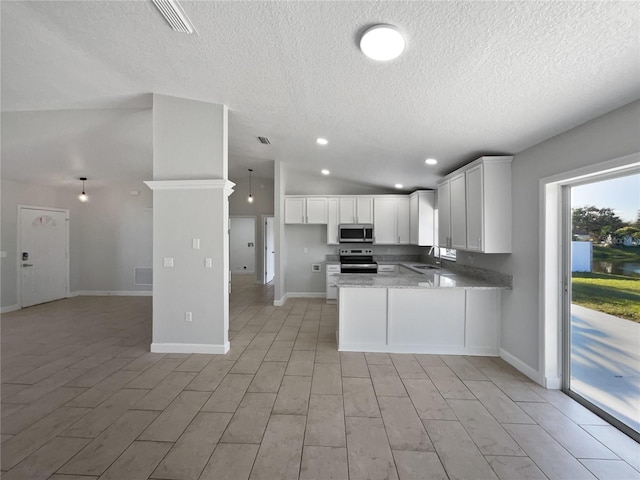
<point x="601" y="302"/>
<point x="43" y="254"/>
<point x="269" y="249"/>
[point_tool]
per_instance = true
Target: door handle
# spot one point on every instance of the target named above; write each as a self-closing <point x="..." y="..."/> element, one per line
<point x="27" y="264"/>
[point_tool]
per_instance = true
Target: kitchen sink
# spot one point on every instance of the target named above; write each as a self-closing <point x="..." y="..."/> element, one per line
<point x="426" y="267"/>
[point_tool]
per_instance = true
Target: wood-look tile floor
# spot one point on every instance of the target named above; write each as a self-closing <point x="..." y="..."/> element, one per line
<point x="82" y="398"/>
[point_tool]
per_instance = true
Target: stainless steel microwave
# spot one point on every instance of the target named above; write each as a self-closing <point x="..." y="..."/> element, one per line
<point x="355" y="233"/>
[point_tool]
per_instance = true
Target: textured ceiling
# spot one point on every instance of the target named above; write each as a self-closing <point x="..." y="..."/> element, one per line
<point x="476" y="78"/>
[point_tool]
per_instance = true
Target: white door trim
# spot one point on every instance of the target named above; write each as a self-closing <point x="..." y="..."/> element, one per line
<point x="264" y="246"/>
<point x="19" y="244"/>
<point x="550" y="300"/>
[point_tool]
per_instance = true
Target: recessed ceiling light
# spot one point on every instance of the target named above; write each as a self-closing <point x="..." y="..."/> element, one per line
<point x="399" y="185"/>
<point x="382" y="42"/>
<point x="322" y="141"/>
<point x="325" y="171"/>
<point x="431" y="161"/>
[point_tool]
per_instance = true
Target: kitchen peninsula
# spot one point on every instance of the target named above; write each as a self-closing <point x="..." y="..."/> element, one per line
<point x="437" y="312"/>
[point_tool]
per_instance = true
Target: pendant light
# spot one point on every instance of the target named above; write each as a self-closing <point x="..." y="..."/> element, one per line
<point x="250" y="199"/>
<point x="83" y="197"/>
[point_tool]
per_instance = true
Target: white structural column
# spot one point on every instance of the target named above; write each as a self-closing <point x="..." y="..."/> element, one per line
<point x="190" y="226"/>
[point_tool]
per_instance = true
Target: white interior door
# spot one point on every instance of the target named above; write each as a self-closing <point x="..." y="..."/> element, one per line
<point x="43" y="255"/>
<point x="269" y="250"/>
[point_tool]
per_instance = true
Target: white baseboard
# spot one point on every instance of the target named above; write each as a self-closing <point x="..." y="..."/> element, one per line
<point x="115" y="293"/>
<point x="286" y="296"/>
<point x="306" y="294"/>
<point x="279" y="303"/>
<point x="189" y="348"/>
<point x="417" y="349"/>
<point x="10" y="308"/>
<point x="518" y="364"/>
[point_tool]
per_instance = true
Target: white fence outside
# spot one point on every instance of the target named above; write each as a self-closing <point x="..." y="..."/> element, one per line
<point x="581" y="256"/>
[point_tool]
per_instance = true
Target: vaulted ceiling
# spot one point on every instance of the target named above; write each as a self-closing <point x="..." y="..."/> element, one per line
<point x="476" y="78"/>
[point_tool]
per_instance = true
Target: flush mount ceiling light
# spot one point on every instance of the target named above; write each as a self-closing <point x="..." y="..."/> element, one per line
<point x="431" y="161"/>
<point x="322" y="141"/>
<point x="174" y="15"/>
<point x="325" y="171"/>
<point x="83" y="197"/>
<point x="250" y="199"/>
<point x="382" y="42"/>
<point x="399" y="185"/>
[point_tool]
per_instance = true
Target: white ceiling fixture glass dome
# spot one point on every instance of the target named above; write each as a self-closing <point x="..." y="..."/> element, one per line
<point x="382" y="42"/>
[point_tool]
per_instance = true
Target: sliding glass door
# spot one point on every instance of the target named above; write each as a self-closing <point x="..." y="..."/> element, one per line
<point x="602" y="298"/>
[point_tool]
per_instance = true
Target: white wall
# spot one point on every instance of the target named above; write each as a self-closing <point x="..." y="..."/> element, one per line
<point x="108" y="236"/>
<point x="313" y="238"/>
<point x="113" y="237"/>
<point x="607" y="137"/>
<point x="242" y="244"/>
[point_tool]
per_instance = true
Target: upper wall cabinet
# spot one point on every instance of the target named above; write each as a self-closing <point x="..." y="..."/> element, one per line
<point x="299" y="209"/>
<point x="421" y="218"/>
<point x="391" y="220"/>
<point x="474" y="207"/>
<point x="355" y="209"/>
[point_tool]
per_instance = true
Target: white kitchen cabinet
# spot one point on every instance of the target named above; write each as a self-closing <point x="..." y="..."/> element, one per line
<point x="488" y="198"/>
<point x="384" y="221"/>
<point x="333" y="270"/>
<point x="316" y="210"/>
<point x="364" y="209"/>
<point x="474" y="207"/>
<point x="422" y="218"/>
<point x="366" y="309"/>
<point x="387" y="268"/>
<point x="444" y="214"/>
<point x="403" y="223"/>
<point x="420" y="318"/>
<point x="347" y="209"/>
<point x="333" y="220"/>
<point x="295" y="209"/>
<point x="356" y="209"/>
<point x="458" y="212"/>
<point x="391" y="220"/>
<point x="300" y="209"/>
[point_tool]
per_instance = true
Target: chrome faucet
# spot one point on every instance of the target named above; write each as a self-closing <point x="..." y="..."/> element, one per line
<point x="436" y="255"/>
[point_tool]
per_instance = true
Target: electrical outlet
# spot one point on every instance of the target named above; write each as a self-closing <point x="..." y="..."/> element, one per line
<point x="168" y="262"/>
<point x="188" y="316"/>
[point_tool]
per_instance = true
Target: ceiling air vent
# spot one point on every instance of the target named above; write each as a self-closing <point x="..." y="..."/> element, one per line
<point x="174" y="14"/>
<point x="264" y="140"/>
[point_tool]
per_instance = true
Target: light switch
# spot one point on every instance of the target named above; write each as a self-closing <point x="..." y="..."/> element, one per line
<point x="195" y="244"/>
<point x="208" y="262"/>
<point x="168" y="262"/>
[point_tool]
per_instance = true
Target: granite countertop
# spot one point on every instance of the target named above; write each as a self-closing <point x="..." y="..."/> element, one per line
<point x="436" y="278"/>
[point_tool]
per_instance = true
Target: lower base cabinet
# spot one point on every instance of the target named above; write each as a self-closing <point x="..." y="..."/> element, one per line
<point x="405" y="320"/>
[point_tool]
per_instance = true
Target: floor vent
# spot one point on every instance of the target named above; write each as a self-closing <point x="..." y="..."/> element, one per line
<point x="143" y="276"/>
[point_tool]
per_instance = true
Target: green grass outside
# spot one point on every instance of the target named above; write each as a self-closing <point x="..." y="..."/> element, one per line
<point x="613" y="294"/>
<point x="628" y="254"/>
